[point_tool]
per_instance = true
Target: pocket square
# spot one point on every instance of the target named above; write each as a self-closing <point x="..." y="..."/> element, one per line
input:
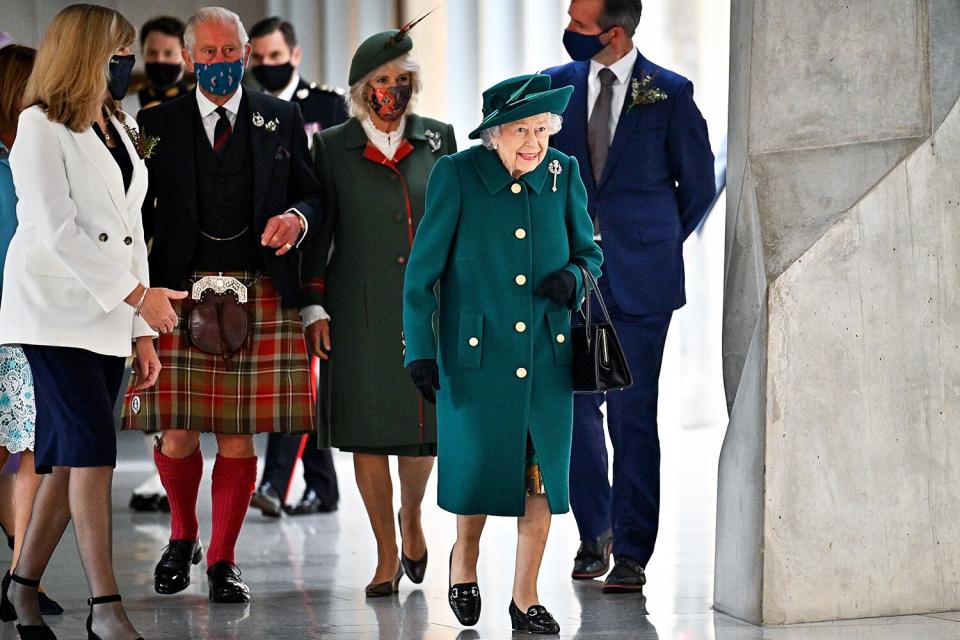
<point x="282" y="153"/>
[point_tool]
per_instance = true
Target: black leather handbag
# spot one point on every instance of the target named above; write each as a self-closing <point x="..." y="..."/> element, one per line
<point x="599" y="363"/>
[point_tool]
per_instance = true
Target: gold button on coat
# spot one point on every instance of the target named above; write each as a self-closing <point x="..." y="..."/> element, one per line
<point x="521" y="279"/>
<point x="520" y="327"/>
<point x="520" y="233"/>
<point x="561" y="338"/>
<point x="516" y="188"/>
<point x="473" y="342"/>
<point x="521" y="373"/>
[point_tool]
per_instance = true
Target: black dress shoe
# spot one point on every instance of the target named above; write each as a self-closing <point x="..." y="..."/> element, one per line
<point x="415" y="569"/>
<point x="226" y="585"/>
<point x="309" y="504"/>
<point x="267" y="499"/>
<point x="145" y="503"/>
<point x="536" y="620"/>
<point x="627" y="577"/>
<point x="172" y="573"/>
<point x="593" y="557"/>
<point x="464" y="599"/>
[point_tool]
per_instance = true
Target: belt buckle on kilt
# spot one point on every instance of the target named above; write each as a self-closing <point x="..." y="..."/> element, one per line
<point x="219" y="284"/>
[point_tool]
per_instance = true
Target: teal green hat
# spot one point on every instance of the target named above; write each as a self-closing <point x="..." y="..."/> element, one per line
<point x="378" y="50"/>
<point x="519" y="98"/>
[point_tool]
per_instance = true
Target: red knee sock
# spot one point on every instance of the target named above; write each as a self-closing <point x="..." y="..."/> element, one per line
<point x="234" y="480"/>
<point x="181" y="478"/>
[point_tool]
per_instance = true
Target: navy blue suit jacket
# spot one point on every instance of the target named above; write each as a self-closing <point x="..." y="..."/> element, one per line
<point x="656" y="186"/>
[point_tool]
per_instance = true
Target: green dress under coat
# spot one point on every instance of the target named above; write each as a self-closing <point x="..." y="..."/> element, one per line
<point x="367" y="402"/>
<point x="488" y="240"/>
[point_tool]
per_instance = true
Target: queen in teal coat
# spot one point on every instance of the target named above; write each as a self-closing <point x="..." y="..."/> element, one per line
<point x="488" y="293"/>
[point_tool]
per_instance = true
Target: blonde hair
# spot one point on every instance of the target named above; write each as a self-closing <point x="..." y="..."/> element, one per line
<point x="70" y="77"/>
<point x="357" y="105"/>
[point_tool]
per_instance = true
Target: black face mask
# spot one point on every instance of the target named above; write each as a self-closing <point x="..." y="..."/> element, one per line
<point x="163" y="74"/>
<point x="273" y="77"/>
<point x="120" y="69"/>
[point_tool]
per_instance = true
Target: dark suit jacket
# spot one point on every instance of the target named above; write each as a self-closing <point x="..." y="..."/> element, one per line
<point x="656" y="186"/>
<point x="283" y="179"/>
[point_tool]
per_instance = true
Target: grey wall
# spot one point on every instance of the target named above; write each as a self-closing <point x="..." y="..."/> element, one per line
<point x="838" y="494"/>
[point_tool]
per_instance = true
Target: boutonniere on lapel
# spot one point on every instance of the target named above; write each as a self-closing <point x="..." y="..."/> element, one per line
<point x="642" y="92"/>
<point x="143" y="143"/>
<point x="555" y="168"/>
<point x="433" y="139"/>
<point x="269" y="125"/>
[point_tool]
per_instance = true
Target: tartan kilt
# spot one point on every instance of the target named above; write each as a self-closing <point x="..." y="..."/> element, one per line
<point x="267" y="390"/>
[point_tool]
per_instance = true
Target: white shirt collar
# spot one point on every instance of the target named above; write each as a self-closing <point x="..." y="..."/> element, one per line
<point x="622" y="68"/>
<point x="232" y="105"/>
<point x="287" y="93"/>
<point x="387" y="143"/>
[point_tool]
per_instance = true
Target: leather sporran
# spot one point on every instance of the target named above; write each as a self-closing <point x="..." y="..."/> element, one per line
<point x="599" y="363"/>
<point x="217" y="322"/>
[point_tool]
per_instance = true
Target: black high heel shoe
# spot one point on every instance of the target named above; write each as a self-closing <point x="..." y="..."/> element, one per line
<point x="27" y="632"/>
<point x="415" y="569"/>
<point x="383" y="589"/>
<point x="48" y="606"/>
<point x="464" y="599"/>
<point x="536" y="620"/>
<point x="93" y="602"/>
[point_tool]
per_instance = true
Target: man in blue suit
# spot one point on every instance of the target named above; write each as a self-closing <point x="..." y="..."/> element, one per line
<point x="645" y="159"/>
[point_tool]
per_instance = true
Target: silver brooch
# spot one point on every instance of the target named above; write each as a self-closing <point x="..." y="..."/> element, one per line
<point x="271" y="126"/>
<point x="303" y="93"/>
<point x="433" y="139"/>
<point x="135" y="405"/>
<point x="555" y="168"/>
<point x="257" y="119"/>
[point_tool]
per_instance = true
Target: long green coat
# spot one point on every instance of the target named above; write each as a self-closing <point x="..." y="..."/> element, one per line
<point x="372" y="210"/>
<point x="504" y="353"/>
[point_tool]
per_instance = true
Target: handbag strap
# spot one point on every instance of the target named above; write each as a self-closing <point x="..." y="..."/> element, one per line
<point x="590" y="283"/>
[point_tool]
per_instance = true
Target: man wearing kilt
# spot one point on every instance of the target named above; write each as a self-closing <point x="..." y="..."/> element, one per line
<point x="232" y="196"/>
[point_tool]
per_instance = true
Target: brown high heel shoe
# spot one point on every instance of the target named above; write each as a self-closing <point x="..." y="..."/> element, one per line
<point x="415" y="569"/>
<point x="382" y="589"/>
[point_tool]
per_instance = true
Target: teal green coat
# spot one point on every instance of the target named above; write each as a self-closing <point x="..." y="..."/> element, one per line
<point x="488" y="241"/>
<point x="372" y="210"/>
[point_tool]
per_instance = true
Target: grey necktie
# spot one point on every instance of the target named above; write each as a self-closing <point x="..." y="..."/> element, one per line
<point x="598" y="128"/>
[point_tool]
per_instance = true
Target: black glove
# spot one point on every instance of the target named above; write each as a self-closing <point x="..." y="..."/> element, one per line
<point x="558" y="287"/>
<point x="426" y="377"/>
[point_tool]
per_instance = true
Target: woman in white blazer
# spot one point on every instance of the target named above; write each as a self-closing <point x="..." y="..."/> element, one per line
<point x="76" y="296"/>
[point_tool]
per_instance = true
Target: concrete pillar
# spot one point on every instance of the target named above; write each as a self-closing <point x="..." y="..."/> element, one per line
<point x="838" y="483"/>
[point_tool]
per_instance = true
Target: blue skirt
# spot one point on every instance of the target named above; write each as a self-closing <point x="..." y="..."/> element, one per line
<point x="75" y="392"/>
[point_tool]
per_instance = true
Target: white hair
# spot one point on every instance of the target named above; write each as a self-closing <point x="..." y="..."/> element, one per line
<point x="490" y="135"/>
<point x="356" y="104"/>
<point x="213" y="14"/>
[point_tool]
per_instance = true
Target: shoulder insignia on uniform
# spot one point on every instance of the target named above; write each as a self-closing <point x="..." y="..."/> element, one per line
<point x="313" y="85"/>
<point x="332" y="89"/>
<point x="303" y="93"/>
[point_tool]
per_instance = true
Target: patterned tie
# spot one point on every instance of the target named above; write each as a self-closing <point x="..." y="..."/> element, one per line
<point x="223" y="131"/>
<point x="598" y="128"/>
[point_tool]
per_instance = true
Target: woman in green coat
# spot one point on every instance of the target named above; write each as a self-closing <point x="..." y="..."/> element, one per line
<point x="497" y="264"/>
<point x="374" y="170"/>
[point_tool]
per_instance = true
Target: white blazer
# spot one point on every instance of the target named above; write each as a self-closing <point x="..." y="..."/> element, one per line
<point x="78" y="250"/>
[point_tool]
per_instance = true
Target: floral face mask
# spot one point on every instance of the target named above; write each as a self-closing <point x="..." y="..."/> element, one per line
<point x="390" y="102"/>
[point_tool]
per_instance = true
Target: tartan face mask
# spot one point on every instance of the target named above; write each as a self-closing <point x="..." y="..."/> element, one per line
<point x="390" y="102"/>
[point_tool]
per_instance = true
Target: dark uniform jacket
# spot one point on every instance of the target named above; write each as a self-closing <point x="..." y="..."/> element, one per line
<point x="322" y="106"/>
<point x="151" y="96"/>
<point x="282" y="179"/>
